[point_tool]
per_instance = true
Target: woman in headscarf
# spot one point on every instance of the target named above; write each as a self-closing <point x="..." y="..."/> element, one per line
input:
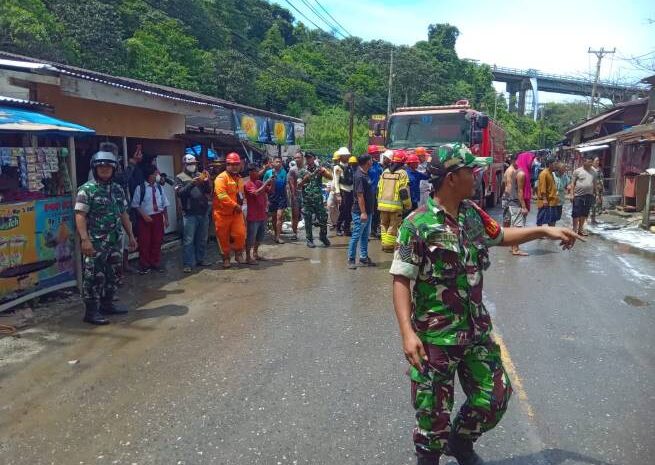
<point x="524" y="163"/>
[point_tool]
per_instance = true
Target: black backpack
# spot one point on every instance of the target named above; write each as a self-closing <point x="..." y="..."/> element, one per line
<point x="347" y="178"/>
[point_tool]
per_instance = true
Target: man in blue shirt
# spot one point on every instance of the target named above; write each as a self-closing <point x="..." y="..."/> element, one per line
<point x="374" y="173"/>
<point x="415" y="178"/>
<point x="277" y="198"/>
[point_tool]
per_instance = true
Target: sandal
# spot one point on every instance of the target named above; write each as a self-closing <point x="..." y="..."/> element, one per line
<point x="520" y="253"/>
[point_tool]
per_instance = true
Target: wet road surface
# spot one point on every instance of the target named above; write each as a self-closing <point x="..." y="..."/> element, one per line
<point x="298" y="361"/>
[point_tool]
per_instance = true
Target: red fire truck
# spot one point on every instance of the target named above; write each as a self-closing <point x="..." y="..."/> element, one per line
<point x="430" y="127"/>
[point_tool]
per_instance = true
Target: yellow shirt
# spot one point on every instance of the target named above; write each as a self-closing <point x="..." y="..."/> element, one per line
<point x="547" y="190"/>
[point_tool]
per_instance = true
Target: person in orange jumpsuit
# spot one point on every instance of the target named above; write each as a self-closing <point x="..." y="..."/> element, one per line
<point x="226" y="208"/>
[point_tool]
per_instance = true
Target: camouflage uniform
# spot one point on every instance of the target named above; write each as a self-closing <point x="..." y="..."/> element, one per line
<point x="103" y="204"/>
<point x="446" y="258"/>
<point x="312" y="196"/>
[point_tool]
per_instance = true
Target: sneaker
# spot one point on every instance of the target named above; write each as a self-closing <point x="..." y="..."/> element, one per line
<point x="339" y="233"/>
<point x="310" y="244"/>
<point x="352" y="265"/>
<point x="367" y="262"/>
<point x="144" y="270"/>
<point x="159" y="269"/>
<point x="202" y="264"/>
<point x="187" y="269"/>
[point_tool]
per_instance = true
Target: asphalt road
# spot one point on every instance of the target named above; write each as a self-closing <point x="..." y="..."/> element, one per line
<point x="299" y="362"/>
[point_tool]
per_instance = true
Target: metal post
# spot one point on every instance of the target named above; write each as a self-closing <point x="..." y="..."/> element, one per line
<point x="72" y="165"/>
<point x="390" y="85"/>
<point x="645" y="222"/>
<point x="351" y="122"/>
<point x="125" y="153"/>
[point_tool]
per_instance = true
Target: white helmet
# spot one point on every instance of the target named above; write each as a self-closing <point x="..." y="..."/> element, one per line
<point x="343" y="151"/>
<point x="104" y="158"/>
<point x="189" y="159"/>
<point x="387" y="154"/>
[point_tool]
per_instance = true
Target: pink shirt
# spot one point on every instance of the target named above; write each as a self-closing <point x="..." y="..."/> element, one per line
<point x="257" y="203"/>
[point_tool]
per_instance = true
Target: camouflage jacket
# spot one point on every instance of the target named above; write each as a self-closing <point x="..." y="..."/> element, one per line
<point x="445" y="257"/>
<point x="312" y="191"/>
<point x="103" y="205"/>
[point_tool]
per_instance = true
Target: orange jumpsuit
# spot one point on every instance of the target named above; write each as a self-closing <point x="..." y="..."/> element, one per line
<point x="230" y="224"/>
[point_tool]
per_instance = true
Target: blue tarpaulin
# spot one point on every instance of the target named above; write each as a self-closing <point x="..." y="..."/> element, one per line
<point x="17" y="120"/>
<point x="196" y="150"/>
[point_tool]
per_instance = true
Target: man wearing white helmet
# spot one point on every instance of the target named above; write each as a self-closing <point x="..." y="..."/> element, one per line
<point x="343" y="189"/>
<point x="193" y="189"/>
<point x="100" y="217"/>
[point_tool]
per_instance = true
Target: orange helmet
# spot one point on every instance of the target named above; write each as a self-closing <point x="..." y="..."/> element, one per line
<point x="232" y="158"/>
<point x="399" y="156"/>
<point x="412" y="158"/>
<point x="420" y="151"/>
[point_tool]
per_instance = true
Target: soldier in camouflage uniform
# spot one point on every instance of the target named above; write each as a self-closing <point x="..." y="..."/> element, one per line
<point x="310" y="182"/>
<point x="100" y="215"/>
<point x="444" y="324"/>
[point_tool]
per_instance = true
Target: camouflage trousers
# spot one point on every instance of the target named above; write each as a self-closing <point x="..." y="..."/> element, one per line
<point x="484" y="381"/>
<point x="314" y="208"/>
<point x="100" y="272"/>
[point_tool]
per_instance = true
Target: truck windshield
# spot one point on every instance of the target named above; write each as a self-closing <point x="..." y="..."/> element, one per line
<point x="427" y="130"/>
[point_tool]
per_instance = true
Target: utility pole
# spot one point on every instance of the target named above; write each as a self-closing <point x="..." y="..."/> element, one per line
<point x="495" y="104"/>
<point x="351" y="100"/>
<point x="390" y="85"/>
<point x="599" y="54"/>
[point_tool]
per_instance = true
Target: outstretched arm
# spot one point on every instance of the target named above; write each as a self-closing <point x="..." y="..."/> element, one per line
<point x="516" y="236"/>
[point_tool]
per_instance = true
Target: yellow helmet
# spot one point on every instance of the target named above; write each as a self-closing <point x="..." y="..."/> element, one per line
<point x="352" y="160"/>
<point x="335" y="156"/>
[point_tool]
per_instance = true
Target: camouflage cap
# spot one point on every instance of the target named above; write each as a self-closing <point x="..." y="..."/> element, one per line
<point x="451" y="157"/>
<point x="454" y="156"/>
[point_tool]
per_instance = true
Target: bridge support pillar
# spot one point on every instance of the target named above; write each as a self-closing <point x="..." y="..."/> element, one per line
<point x="512" y="88"/>
<point x="525" y="85"/>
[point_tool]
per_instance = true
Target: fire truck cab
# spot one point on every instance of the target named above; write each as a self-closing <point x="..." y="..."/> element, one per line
<point x="432" y="126"/>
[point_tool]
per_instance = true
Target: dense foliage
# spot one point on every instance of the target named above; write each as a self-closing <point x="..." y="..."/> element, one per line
<point x="256" y="53"/>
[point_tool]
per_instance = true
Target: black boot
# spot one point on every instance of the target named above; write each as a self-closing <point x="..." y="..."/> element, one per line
<point x="325" y="240"/>
<point x="92" y="314"/>
<point x="427" y="459"/>
<point x="108" y="306"/>
<point x="461" y="447"/>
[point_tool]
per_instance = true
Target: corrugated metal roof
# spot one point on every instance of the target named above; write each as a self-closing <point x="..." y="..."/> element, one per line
<point x="156" y="90"/>
<point x="19" y="102"/>
<point x="594" y="121"/>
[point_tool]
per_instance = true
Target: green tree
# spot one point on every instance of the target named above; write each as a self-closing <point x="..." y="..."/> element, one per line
<point x="96" y="29"/>
<point x="327" y="131"/>
<point x="28" y="27"/>
<point x="163" y="53"/>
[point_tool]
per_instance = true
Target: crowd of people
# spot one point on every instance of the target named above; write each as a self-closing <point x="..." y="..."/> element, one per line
<point x="356" y="196"/>
<point x="546" y="180"/>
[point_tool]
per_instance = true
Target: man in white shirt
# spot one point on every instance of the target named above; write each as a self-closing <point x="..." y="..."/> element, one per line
<point x="151" y="205"/>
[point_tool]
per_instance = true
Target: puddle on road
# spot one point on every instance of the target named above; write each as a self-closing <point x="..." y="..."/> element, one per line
<point x="634" y="301"/>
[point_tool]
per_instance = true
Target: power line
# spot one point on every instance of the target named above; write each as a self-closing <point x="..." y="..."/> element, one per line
<point x="336" y="22"/>
<point x="334" y="29"/>
<point x="303" y="15"/>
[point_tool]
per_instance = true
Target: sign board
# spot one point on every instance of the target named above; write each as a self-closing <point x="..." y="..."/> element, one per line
<point x="377" y="130"/>
<point x="37" y="244"/>
<point x="264" y="130"/>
